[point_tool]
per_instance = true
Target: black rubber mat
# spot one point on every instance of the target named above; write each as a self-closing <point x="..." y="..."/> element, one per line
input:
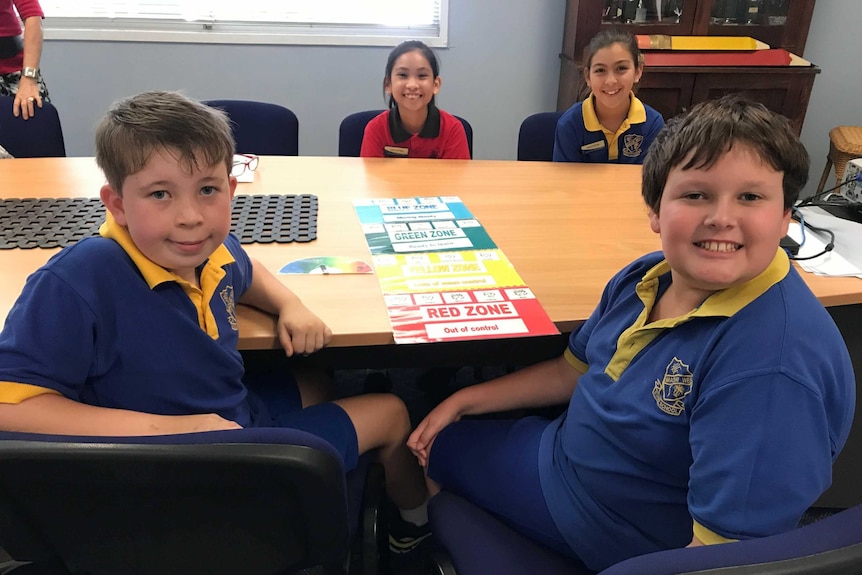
<point x="51" y="223"/>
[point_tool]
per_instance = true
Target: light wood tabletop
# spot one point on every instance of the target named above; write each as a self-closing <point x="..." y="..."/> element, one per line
<point x="567" y="228"/>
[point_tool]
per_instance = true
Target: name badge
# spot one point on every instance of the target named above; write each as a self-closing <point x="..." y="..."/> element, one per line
<point x="594" y="146"/>
<point x="395" y="152"/>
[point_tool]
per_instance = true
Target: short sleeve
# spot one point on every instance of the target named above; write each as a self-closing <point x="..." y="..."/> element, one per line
<point x="567" y="147"/>
<point x="455" y="147"/>
<point x="372" y="144"/>
<point x="28" y="8"/>
<point x="651" y="131"/>
<point x="48" y="339"/>
<point x="242" y="270"/>
<point x="761" y="452"/>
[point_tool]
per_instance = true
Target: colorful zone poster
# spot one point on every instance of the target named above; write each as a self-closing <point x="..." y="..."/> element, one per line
<point x="423" y="224"/>
<point x="445" y="271"/>
<point x="448" y="296"/>
<point x="442" y="276"/>
<point x="468" y="314"/>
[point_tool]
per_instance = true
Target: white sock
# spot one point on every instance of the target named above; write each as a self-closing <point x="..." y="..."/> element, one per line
<point x="417" y="516"/>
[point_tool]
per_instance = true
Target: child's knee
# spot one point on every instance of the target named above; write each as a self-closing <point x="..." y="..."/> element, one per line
<point x="396" y="413"/>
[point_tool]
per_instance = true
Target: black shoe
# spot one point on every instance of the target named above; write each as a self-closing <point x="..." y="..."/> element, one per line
<point x="404" y="536"/>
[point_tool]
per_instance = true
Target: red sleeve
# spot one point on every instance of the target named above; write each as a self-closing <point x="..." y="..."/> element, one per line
<point x="375" y="137"/>
<point x="454" y="145"/>
<point x="28" y="8"/>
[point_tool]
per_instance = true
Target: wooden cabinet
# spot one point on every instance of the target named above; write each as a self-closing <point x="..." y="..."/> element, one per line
<point x="671" y="90"/>
<point x="784" y="90"/>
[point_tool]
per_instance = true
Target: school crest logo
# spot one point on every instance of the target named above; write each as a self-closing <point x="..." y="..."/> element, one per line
<point x="230" y="306"/>
<point x="632" y="145"/>
<point x="673" y="387"/>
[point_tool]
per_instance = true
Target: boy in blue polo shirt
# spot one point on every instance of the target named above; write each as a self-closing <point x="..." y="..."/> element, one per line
<point x="135" y="332"/>
<point x="709" y="392"/>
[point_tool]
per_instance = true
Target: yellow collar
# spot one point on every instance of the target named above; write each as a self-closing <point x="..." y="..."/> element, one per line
<point x="153" y="273"/>
<point x="636" y="115"/>
<point x="729" y="301"/>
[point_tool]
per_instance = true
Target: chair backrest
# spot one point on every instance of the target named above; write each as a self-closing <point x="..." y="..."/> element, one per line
<point x="261" y="128"/>
<point x="40" y="136"/>
<point x="468" y="130"/>
<point x="536" y="137"/>
<point x="249" y="501"/>
<point x="352" y="129"/>
<point x="831" y="546"/>
<point x="477" y="542"/>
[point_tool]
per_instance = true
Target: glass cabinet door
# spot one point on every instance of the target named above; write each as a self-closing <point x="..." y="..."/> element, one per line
<point x="672" y="17"/>
<point x="744" y="12"/>
<point x="586" y="18"/>
<point x="779" y="23"/>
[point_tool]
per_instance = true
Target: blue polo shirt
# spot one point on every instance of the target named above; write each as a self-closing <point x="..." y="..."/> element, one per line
<point x="724" y="421"/>
<point x="103" y="325"/>
<point x="580" y="137"/>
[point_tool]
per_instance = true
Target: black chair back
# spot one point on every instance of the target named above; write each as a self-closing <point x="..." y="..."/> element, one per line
<point x="351" y="131"/>
<point x="251" y="501"/>
<point x="40" y="136"/>
<point x="536" y="137"/>
<point x="261" y="128"/>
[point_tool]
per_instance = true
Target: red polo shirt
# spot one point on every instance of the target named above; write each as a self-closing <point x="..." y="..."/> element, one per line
<point x="442" y="137"/>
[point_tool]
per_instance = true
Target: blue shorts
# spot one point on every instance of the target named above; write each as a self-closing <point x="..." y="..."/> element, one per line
<point x="282" y="407"/>
<point x="495" y="464"/>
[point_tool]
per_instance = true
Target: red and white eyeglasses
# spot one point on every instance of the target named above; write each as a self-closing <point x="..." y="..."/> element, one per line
<point x="243" y="162"/>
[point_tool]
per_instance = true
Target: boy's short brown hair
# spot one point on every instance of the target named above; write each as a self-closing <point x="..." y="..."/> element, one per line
<point x="137" y="126"/>
<point x="700" y="137"/>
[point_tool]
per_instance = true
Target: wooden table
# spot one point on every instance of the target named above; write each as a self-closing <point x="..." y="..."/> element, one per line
<point x="567" y="228"/>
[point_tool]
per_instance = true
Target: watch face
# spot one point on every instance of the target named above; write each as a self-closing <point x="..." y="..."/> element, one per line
<point x="29" y="72"/>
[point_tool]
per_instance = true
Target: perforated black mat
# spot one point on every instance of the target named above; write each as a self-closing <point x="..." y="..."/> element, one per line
<point x="51" y="223"/>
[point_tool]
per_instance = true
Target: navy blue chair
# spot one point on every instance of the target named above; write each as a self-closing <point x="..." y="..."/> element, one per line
<point x="40" y="136"/>
<point x="536" y="137"/>
<point x="253" y="501"/>
<point x="261" y="128"/>
<point x="475" y="542"/>
<point x="352" y="129"/>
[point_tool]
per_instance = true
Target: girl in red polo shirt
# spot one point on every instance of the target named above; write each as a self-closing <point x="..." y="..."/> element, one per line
<point x="413" y="126"/>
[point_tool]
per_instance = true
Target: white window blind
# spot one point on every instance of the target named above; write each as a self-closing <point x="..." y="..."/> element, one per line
<point x="367" y="22"/>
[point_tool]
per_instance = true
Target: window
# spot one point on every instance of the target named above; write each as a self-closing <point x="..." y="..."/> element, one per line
<point x="361" y="22"/>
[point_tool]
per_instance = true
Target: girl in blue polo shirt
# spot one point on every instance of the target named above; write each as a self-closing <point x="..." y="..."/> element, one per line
<point x="611" y="125"/>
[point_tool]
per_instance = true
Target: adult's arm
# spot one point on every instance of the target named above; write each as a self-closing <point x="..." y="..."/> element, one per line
<point x="29" y="87"/>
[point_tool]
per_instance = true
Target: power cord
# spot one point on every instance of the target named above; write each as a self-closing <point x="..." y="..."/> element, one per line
<point x="811" y="201"/>
<point x="797" y="215"/>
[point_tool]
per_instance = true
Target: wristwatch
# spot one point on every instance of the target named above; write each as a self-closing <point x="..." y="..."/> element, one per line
<point x="30" y="72"/>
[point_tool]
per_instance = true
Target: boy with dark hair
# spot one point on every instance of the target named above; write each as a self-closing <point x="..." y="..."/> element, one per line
<point x="709" y="392"/>
<point x="135" y="332"/>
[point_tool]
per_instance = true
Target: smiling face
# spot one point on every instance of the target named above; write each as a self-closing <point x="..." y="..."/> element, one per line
<point x="611" y="74"/>
<point x="177" y="215"/>
<point x="412" y="83"/>
<point x="720" y="227"/>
